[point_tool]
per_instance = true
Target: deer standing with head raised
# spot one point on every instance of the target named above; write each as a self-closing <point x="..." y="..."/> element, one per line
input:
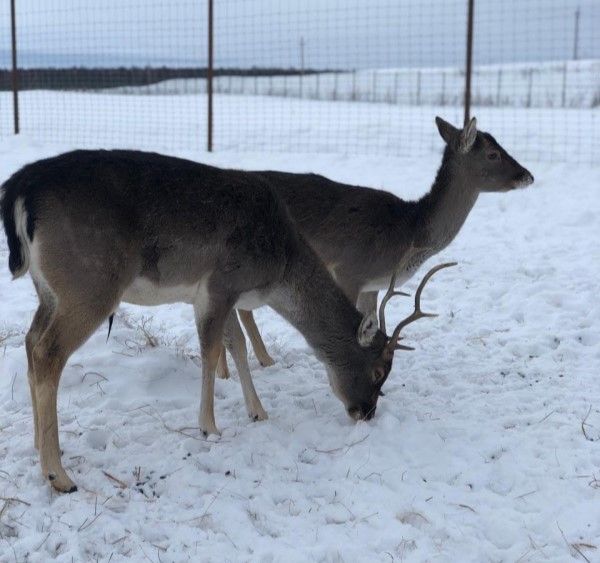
<point x="364" y="236"/>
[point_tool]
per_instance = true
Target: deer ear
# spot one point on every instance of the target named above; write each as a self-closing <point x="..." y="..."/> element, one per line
<point x="448" y="132"/>
<point x="468" y="136"/>
<point x="367" y="330"/>
<point x="378" y="375"/>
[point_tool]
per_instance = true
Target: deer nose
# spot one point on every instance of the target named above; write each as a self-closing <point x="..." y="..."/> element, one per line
<point x="526" y="178"/>
<point x="523" y="179"/>
<point x="368" y="415"/>
<point x="362" y="412"/>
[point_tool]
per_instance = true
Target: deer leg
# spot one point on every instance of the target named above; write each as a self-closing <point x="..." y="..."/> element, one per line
<point x="367" y="302"/>
<point x="253" y="333"/>
<point x="70" y="327"/>
<point x="236" y="344"/>
<point x="210" y="324"/>
<point x="40" y="322"/>
<point x="222" y="367"/>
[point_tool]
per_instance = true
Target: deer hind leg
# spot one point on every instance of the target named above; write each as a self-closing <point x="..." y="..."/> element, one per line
<point x="71" y="325"/>
<point x="236" y="344"/>
<point x="222" y="367"/>
<point x="40" y="322"/>
<point x="256" y="340"/>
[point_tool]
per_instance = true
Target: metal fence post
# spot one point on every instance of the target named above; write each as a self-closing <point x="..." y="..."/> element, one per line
<point x="15" y="70"/>
<point x="469" y="65"/>
<point x="209" y="79"/>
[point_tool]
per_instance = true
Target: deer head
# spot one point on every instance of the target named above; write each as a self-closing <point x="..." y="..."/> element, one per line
<point x="361" y="397"/>
<point x="481" y="159"/>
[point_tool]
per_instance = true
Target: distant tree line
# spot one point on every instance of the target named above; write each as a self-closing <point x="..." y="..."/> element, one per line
<point x="78" y="78"/>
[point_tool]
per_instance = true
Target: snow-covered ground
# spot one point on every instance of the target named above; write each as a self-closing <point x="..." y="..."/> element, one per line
<point x="484" y="448"/>
<point x="278" y="124"/>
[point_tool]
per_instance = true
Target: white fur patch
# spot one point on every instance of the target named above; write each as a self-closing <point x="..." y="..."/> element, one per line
<point x="250" y="300"/>
<point x="36" y="273"/>
<point x="21" y="230"/>
<point x="143" y="291"/>
<point x="384" y="283"/>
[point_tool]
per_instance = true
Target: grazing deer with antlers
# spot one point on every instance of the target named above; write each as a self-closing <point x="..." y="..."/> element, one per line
<point x="364" y="236"/>
<point x="95" y="228"/>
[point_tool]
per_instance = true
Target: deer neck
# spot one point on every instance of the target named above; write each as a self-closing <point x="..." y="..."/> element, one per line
<point x="443" y="211"/>
<point x="312" y="302"/>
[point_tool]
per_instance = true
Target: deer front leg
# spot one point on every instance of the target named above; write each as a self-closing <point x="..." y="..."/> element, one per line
<point x="256" y="340"/>
<point x="222" y="367"/>
<point x="236" y="344"/>
<point x="206" y="419"/>
<point x="367" y="302"/>
<point x="210" y="324"/>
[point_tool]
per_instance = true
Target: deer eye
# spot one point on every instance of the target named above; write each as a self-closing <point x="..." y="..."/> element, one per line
<point x="493" y="155"/>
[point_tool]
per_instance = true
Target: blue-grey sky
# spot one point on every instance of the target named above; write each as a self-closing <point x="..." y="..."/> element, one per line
<point x="329" y="33"/>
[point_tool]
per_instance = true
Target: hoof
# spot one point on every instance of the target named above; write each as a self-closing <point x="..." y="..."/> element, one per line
<point x="266" y="361"/>
<point x="259" y="415"/>
<point x="207" y="431"/>
<point x="61" y="484"/>
<point x="223" y="375"/>
<point x="222" y="367"/>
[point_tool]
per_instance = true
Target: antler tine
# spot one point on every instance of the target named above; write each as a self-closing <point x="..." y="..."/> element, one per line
<point x="388" y="295"/>
<point x="417" y="313"/>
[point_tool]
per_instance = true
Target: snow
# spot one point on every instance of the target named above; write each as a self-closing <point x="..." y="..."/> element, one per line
<point x="484" y="447"/>
<point x="245" y="123"/>
<point x="571" y="84"/>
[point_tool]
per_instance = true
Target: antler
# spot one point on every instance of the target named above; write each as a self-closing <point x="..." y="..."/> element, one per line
<point x="408" y="255"/>
<point x="416" y="314"/>
<point x="388" y="295"/>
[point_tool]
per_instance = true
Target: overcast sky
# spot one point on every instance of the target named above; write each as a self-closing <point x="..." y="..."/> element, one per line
<point x="327" y="33"/>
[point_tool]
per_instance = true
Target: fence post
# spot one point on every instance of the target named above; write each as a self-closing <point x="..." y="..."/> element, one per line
<point x="529" y="88"/>
<point x="335" y="85"/>
<point x="374" y="86"/>
<point x="443" y="100"/>
<point x="564" y="86"/>
<point x="499" y="88"/>
<point x="209" y="79"/>
<point x="15" y="70"/>
<point x="469" y="65"/>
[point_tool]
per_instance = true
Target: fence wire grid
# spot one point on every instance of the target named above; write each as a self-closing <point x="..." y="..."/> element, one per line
<point x="343" y="76"/>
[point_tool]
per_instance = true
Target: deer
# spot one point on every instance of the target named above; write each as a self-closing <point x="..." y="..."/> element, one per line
<point x="96" y="228"/>
<point x="363" y="234"/>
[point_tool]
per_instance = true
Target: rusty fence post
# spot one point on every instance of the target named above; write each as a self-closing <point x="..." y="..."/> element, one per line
<point x="469" y="65"/>
<point x="209" y="80"/>
<point x="15" y="70"/>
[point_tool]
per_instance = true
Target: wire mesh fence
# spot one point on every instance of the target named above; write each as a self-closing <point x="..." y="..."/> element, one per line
<point x="342" y="76"/>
